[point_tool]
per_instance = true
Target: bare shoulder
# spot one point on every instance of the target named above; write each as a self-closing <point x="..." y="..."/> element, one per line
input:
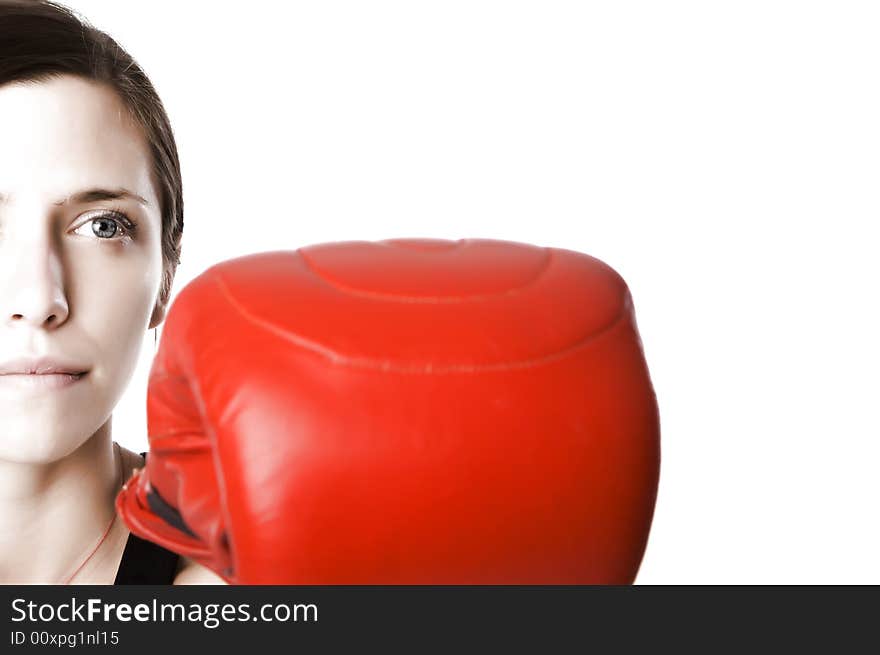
<point x="190" y="572"/>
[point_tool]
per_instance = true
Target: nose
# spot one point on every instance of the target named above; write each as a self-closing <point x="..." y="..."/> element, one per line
<point x="32" y="285"/>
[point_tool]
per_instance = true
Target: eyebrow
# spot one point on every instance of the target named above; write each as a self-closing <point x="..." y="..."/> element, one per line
<point x="93" y="195"/>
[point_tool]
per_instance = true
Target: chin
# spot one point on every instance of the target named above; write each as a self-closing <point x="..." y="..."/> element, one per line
<point x="41" y="439"/>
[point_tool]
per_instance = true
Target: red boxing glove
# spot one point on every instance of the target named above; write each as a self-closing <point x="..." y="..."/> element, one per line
<point x="402" y="412"/>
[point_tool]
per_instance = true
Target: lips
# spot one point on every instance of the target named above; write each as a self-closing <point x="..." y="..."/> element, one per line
<point x="42" y="366"/>
<point x="37" y="383"/>
<point x="39" y="374"/>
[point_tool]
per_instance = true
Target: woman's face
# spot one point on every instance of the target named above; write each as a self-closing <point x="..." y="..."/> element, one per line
<point x="79" y="273"/>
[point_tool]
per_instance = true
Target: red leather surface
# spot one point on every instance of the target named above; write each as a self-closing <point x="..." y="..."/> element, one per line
<point x="403" y="412"/>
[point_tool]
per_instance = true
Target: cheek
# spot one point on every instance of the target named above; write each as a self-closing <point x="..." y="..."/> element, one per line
<point x="111" y="303"/>
<point x="113" y="290"/>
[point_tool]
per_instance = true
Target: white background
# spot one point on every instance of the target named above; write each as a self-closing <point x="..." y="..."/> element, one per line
<point x="724" y="157"/>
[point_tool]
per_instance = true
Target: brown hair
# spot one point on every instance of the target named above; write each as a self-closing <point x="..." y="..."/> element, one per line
<point x="41" y="40"/>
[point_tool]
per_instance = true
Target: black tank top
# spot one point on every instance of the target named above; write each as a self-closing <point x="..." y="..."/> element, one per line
<point x="144" y="562"/>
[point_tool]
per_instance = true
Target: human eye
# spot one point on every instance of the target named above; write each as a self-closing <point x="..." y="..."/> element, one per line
<point x="110" y="225"/>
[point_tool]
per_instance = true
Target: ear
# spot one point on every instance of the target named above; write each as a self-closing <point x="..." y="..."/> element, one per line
<point x="158" y="315"/>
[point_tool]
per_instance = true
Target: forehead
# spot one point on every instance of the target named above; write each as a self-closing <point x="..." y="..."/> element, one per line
<point x="67" y="134"/>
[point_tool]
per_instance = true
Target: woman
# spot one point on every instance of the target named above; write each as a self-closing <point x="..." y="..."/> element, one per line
<point x="91" y="217"/>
